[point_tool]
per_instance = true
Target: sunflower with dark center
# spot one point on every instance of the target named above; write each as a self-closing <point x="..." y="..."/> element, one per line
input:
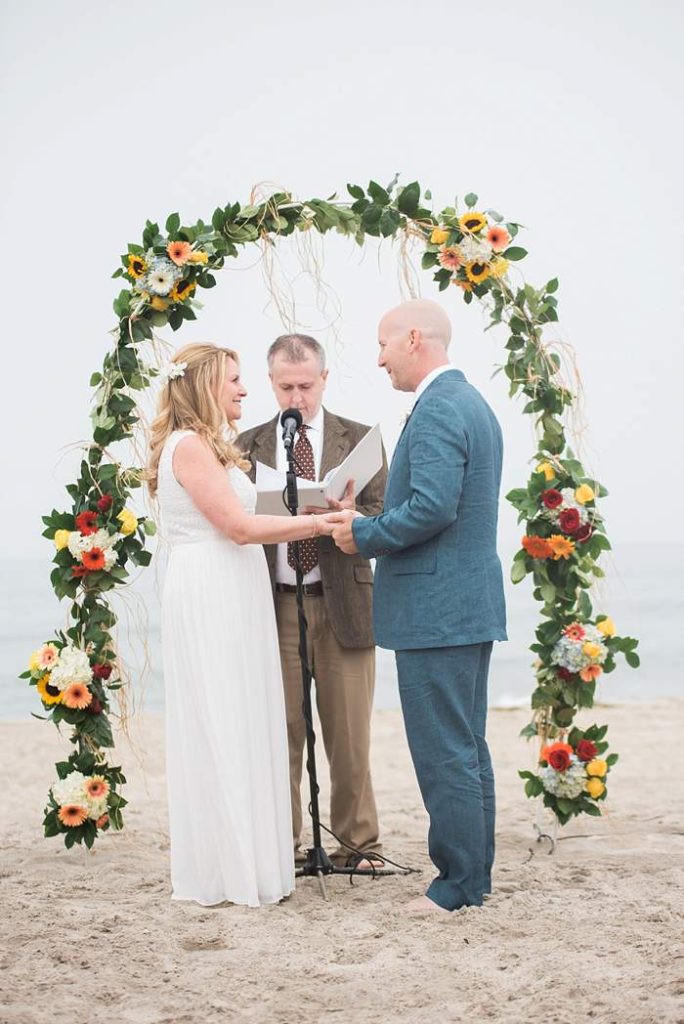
<point x="182" y="290"/>
<point x="472" y="222"/>
<point x="477" y="272"/>
<point x="136" y="266"/>
<point x="48" y="694"/>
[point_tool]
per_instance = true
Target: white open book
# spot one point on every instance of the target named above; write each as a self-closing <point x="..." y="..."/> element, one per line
<point x="361" y="465"/>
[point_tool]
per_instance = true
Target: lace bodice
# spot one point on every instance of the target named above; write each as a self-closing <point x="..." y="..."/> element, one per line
<point x="182" y="521"/>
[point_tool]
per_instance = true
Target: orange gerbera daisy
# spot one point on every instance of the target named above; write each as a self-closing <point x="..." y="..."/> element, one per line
<point x="575" y="631"/>
<point x="179" y="252"/>
<point x="537" y="547"/>
<point x="96" y="787"/>
<point x="72" y="815"/>
<point x="498" y="238"/>
<point x="450" y="258"/>
<point x="561" y="546"/>
<point x="77" y="696"/>
<point x="93" y="559"/>
<point x="590" y="673"/>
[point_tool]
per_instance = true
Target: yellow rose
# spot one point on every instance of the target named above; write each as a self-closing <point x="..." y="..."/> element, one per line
<point x="156" y="302"/>
<point x="499" y="267"/>
<point x="597" y="767"/>
<point x="607" y="627"/>
<point x="584" y="493"/>
<point x="592" y="650"/>
<point x="439" y="236"/>
<point x="34" y="662"/>
<point x="198" y="257"/>
<point x="595" y="788"/>
<point x="129" y="523"/>
<point x="61" y="538"/>
<point x="547" y="469"/>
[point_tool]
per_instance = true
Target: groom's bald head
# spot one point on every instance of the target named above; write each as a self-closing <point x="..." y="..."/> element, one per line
<point x="413" y="339"/>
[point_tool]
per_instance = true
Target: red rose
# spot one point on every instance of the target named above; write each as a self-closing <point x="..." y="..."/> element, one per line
<point x="564" y="673"/>
<point x="559" y="760"/>
<point x="95" y="707"/>
<point x="586" y="750"/>
<point x="552" y="498"/>
<point x="583" y="533"/>
<point x="105" y="502"/>
<point x="569" y="520"/>
<point x="102" y="671"/>
<point x="86" y="522"/>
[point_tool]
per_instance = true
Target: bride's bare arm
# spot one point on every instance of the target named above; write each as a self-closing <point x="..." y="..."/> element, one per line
<point x="206" y="481"/>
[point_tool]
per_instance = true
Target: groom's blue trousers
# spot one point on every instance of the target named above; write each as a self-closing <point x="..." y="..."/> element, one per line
<point x="443" y="694"/>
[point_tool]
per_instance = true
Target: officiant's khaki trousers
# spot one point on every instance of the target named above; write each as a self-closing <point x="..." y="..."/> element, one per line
<point x="344" y="683"/>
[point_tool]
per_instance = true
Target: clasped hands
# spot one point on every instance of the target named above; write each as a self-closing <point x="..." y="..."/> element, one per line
<point x="336" y="520"/>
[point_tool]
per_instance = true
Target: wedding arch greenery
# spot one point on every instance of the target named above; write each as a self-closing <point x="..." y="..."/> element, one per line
<point x="99" y="537"/>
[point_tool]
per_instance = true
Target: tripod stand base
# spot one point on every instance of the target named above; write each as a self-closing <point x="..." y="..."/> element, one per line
<point x="318" y="864"/>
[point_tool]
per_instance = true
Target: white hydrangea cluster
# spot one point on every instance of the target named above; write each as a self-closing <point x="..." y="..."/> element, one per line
<point x="71" y="790"/>
<point x="73" y="666"/>
<point x="569" y="653"/>
<point x="569" y="783"/>
<point x="475" y="250"/>
<point x="79" y="543"/>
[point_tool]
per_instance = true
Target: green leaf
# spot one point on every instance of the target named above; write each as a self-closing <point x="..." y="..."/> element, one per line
<point x="552" y="286"/>
<point x="95" y="379"/>
<point x="355" y="191"/>
<point x="389" y="222"/>
<point x="378" y="194"/>
<point x="409" y="198"/>
<point x="515" y="253"/>
<point x="172" y="223"/>
<point x="470" y="200"/>
<point x="150" y="527"/>
<point x="632" y="659"/>
<point x="518" y="571"/>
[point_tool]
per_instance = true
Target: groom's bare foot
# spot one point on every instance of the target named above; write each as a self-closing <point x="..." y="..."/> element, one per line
<point x="424" y="905"/>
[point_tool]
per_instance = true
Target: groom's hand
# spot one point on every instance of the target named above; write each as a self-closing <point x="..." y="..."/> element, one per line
<point x="342" y="530"/>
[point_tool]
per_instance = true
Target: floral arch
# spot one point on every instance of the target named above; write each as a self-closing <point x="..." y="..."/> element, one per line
<point x="100" y="537"/>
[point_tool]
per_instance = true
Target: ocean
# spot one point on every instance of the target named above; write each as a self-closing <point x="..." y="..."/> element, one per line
<point x="643" y="593"/>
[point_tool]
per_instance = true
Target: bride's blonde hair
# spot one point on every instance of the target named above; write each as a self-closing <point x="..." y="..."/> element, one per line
<point x="191" y="402"/>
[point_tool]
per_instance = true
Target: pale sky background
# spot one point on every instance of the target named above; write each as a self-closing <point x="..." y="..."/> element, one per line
<point x="562" y="116"/>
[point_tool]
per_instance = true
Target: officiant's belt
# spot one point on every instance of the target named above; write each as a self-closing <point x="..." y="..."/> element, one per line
<point x="310" y="589"/>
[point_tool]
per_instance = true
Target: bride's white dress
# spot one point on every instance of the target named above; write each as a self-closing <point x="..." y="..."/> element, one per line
<point x="226" y="737"/>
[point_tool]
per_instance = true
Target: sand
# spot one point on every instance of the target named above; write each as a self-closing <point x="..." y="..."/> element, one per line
<point x="591" y="933"/>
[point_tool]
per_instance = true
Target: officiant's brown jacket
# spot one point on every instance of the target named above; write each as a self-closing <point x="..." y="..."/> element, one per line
<point x="347" y="579"/>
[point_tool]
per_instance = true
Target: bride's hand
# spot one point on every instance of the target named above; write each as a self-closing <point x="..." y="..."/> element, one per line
<point x="322" y="526"/>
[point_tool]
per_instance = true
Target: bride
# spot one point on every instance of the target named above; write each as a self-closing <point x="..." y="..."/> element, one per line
<point x="226" y="737"/>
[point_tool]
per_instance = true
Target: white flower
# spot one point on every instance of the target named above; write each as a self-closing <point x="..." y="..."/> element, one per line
<point x="96" y="808"/>
<point x="170" y="371"/>
<point x="110" y="557"/>
<point x="161" y="276"/>
<point x="569" y="783"/>
<point x="73" y="667"/>
<point x="475" y="250"/>
<point x="71" y="790"/>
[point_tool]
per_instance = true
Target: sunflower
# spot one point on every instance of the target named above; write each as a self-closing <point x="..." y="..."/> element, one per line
<point x="72" y="815"/>
<point x="137" y="266"/>
<point x="477" y="272"/>
<point x="450" y="258"/>
<point x="93" y="559"/>
<point x="561" y="546"/>
<point x="77" y="696"/>
<point x="472" y="222"/>
<point x="182" y="291"/>
<point x="48" y="694"/>
<point x="96" y="787"/>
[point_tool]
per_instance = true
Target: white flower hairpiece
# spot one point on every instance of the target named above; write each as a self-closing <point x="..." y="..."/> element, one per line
<point x="171" y="371"/>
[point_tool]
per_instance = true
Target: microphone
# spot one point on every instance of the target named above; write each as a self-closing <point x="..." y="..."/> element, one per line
<point x="290" y="421"/>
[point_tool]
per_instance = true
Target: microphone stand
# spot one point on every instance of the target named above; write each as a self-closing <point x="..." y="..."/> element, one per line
<point x="317" y="861"/>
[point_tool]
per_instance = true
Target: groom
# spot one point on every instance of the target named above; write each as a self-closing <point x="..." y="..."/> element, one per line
<point x="438" y="599"/>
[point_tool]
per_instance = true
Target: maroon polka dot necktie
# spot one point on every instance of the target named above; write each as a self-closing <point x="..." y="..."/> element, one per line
<point x="306" y="470"/>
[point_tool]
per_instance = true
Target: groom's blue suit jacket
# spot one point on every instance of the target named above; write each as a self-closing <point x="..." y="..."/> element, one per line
<point x="438" y="580"/>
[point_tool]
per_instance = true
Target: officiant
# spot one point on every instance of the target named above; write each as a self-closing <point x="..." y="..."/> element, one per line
<point x="337" y="600"/>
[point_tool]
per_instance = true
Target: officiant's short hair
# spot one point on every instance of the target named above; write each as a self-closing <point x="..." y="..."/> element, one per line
<point x="296" y="348"/>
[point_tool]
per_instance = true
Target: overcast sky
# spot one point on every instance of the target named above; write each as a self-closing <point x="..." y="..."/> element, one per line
<point x="562" y="116"/>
